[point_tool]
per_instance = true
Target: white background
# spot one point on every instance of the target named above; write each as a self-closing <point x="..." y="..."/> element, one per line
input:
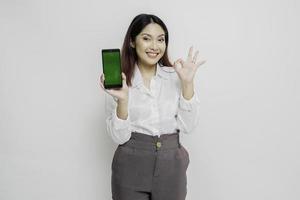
<point x="53" y="140"/>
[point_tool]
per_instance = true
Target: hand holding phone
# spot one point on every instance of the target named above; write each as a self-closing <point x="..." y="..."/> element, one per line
<point x="121" y="94"/>
<point x="113" y="81"/>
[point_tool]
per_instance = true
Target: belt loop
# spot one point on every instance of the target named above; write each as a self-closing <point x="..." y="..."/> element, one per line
<point x="179" y="144"/>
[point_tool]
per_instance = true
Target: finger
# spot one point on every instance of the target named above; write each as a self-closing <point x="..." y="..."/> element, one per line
<point x="110" y="91"/>
<point x="177" y="64"/>
<point x="181" y="62"/>
<point x="123" y="76"/>
<point x="102" y="78"/>
<point x="201" y="62"/>
<point x="189" y="58"/>
<point x="113" y="92"/>
<point x="124" y="82"/>
<point x="102" y="86"/>
<point x="195" y="56"/>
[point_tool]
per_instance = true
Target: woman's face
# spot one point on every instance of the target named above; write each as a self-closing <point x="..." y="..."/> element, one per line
<point x="150" y="44"/>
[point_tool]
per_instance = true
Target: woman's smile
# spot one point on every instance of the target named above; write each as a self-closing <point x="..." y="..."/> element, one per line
<point x="152" y="55"/>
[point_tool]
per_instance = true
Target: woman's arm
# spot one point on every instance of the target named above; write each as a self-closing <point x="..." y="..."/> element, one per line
<point x="122" y="109"/>
<point x="117" y="120"/>
<point x="188" y="112"/>
<point x="188" y="109"/>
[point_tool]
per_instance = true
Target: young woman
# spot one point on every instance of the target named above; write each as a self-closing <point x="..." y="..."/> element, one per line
<point x="155" y="104"/>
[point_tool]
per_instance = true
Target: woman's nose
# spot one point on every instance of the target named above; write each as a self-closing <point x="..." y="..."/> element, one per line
<point x="154" y="45"/>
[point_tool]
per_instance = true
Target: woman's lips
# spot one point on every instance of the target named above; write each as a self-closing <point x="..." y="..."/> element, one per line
<point x="152" y="55"/>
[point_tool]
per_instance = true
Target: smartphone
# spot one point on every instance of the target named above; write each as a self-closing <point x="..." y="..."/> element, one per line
<point x="111" y="62"/>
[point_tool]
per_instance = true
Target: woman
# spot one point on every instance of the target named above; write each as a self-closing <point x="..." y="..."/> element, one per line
<point x="156" y="103"/>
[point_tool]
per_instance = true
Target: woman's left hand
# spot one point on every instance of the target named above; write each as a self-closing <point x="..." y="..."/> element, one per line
<point x="188" y="68"/>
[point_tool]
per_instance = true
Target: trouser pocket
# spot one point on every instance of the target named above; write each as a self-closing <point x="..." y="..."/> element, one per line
<point x="183" y="156"/>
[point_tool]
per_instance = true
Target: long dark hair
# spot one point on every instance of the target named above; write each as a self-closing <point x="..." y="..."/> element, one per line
<point x="128" y="54"/>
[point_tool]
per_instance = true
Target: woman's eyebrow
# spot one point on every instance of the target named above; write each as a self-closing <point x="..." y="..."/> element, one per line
<point x="151" y="35"/>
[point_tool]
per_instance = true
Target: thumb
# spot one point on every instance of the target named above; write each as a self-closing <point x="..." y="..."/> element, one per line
<point x="123" y="76"/>
<point x="181" y="62"/>
<point x="124" y="79"/>
<point x="177" y="64"/>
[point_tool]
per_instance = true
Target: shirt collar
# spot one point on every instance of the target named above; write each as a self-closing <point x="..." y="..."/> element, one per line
<point x="137" y="76"/>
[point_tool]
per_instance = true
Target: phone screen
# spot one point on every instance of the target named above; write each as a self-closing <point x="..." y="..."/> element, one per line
<point x="111" y="61"/>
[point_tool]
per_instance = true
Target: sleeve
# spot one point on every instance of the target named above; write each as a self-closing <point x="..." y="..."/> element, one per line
<point x="118" y="129"/>
<point x="188" y="113"/>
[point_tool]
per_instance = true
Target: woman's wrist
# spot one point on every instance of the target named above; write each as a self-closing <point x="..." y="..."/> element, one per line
<point x="187" y="90"/>
<point x="122" y="101"/>
<point x="122" y="108"/>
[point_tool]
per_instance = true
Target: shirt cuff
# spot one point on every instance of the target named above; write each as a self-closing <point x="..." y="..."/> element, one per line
<point x="188" y="105"/>
<point x="119" y="123"/>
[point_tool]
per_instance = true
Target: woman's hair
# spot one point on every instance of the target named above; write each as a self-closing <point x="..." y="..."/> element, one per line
<point x="128" y="54"/>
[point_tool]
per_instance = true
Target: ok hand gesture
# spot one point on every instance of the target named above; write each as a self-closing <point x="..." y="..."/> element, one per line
<point x="188" y="68"/>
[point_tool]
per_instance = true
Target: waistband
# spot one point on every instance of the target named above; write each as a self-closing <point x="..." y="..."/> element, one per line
<point x="149" y="142"/>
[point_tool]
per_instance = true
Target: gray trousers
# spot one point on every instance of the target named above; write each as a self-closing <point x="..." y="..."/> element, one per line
<point x="150" y="168"/>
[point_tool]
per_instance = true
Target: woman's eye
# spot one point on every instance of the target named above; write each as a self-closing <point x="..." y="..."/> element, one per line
<point x="145" y="38"/>
<point x="161" y="40"/>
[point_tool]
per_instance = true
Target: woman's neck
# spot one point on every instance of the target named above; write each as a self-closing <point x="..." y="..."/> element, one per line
<point x="147" y="71"/>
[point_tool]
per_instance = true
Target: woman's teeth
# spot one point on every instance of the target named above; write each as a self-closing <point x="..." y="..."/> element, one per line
<point x="152" y="55"/>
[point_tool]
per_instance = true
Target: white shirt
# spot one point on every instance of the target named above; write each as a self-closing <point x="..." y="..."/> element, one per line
<point x="160" y="110"/>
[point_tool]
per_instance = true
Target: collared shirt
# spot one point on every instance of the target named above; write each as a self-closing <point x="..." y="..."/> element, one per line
<point x="162" y="109"/>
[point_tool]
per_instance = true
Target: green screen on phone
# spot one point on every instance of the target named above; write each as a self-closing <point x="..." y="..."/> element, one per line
<point x="112" y="68"/>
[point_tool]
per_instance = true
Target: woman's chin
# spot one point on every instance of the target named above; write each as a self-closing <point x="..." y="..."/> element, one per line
<point x="152" y="61"/>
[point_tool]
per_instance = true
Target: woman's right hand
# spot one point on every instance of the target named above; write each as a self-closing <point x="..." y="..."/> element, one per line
<point x="120" y="94"/>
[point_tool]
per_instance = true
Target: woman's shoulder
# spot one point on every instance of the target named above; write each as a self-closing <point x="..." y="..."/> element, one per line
<point x="170" y="76"/>
<point x="167" y="68"/>
<point x="168" y="72"/>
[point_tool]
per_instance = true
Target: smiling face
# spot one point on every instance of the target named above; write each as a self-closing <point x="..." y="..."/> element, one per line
<point x="150" y="45"/>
